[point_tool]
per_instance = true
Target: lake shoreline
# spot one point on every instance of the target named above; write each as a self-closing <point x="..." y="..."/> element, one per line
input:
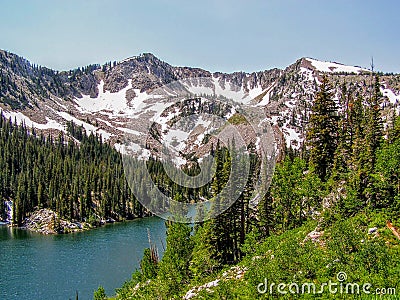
<point x="46" y="222"/>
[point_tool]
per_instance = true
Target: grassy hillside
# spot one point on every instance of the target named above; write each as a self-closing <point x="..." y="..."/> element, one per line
<point x="352" y="245"/>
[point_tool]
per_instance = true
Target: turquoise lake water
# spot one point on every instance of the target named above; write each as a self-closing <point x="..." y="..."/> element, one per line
<point x="34" y="266"/>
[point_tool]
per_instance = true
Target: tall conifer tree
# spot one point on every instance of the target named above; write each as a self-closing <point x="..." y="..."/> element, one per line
<point x="322" y="134"/>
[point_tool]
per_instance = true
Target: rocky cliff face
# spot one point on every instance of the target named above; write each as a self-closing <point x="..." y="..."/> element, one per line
<point x="120" y="98"/>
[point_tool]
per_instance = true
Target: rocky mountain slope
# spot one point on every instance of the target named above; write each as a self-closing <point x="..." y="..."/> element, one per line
<point x="131" y="96"/>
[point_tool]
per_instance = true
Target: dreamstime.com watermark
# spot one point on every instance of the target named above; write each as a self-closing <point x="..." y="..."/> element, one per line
<point x="332" y="287"/>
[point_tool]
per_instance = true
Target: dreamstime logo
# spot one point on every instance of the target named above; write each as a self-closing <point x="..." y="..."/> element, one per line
<point x="177" y="123"/>
<point x="331" y="287"/>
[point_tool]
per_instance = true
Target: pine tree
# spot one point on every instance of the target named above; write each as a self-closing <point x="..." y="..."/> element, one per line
<point x="287" y="194"/>
<point x="100" y="294"/>
<point x="148" y="264"/>
<point x="266" y="215"/>
<point x="373" y="140"/>
<point x="322" y="131"/>
<point x="173" y="272"/>
<point x="346" y="135"/>
<point x="204" y="254"/>
<point x="374" y="126"/>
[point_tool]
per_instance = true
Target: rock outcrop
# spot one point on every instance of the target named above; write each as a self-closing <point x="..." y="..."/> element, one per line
<point x="46" y="221"/>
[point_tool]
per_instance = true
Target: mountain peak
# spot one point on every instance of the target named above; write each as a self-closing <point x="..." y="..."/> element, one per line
<point x="146" y="56"/>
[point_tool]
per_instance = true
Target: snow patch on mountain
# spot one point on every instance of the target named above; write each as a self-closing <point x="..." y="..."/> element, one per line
<point x="202" y="122"/>
<point x="114" y="102"/>
<point x="145" y="154"/>
<point x="230" y="91"/>
<point x="222" y="88"/>
<point x="176" y="138"/>
<point x="393" y="98"/>
<point x="198" y="89"/>
<point x="332" y="67"/>
<point x="88" y="127"/>
<point x="130" y="131"/>
<point x="254" y="92"/>
<point x="291" y="136"/>
<point x="179" y="161"/>
<point x="21" y="118"/>
<point x="265" y="100"/>
<point x="156" y="107"/>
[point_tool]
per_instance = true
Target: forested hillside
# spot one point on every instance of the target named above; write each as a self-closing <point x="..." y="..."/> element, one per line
<point x="332" y="207"/>
<point x="77" y="176"/>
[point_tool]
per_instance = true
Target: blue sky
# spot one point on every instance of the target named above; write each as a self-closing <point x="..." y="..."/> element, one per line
<point x="218" y="35"/>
